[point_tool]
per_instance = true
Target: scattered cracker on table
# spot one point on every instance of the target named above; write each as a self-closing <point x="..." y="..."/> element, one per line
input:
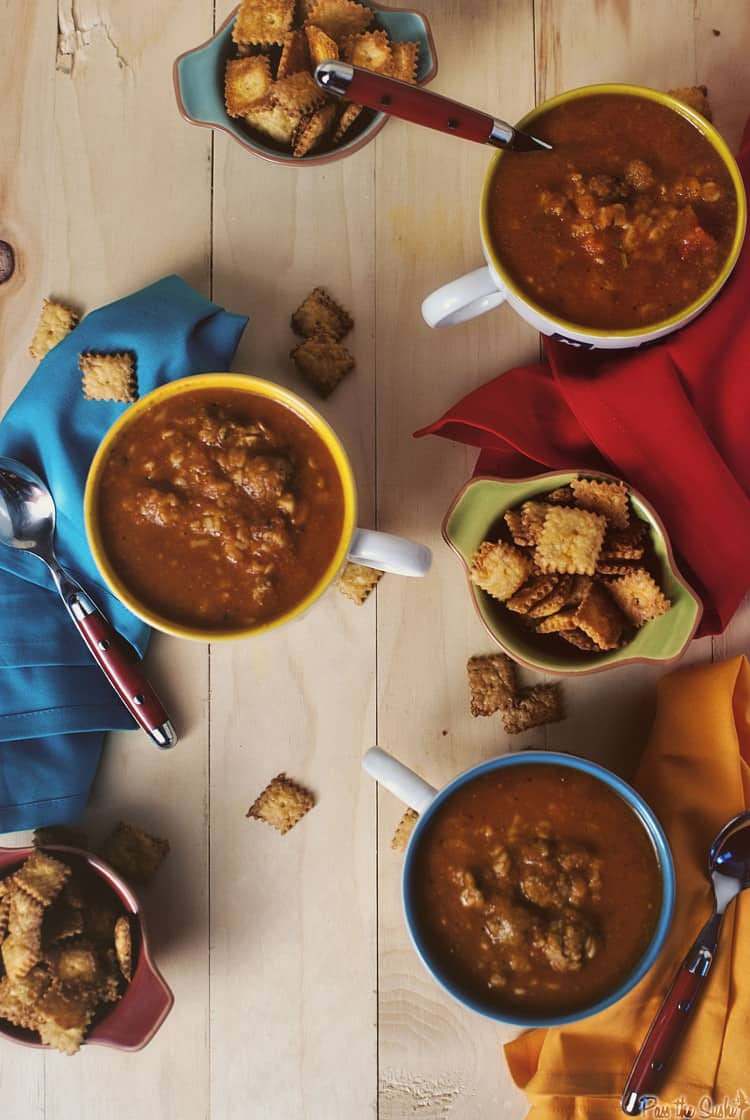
<point x="570" y="541"/>
<point x="263" y="21"/>
<point x="247" y="83"/>
<point x="282" y="804"/>
<point x="55" y="322"/>
<point x="404" y="829"/>
<point x="533" y="707"/>
<point x="639" y="598"/>
<point x="323" y="362"/>
<point x="134" y="853"/>
<point x="499" y="569"/>
<point x="357" y="581"/>
<point x="492" y="683"/>
<point x="108" y="377"/>
<point x="319" y="313"/>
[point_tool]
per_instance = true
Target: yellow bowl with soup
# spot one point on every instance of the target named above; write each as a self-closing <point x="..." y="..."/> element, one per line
<point x="167" y="520"/>
<point x="621" y="234"/>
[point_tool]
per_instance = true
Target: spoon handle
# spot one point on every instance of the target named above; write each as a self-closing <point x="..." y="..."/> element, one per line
<point x="116" y="659"/>
<point x="670" y="1021"/>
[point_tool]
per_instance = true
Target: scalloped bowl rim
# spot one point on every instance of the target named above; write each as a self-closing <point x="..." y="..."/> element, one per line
<point x="617" y="658"/>
<point x="272" y="154"/>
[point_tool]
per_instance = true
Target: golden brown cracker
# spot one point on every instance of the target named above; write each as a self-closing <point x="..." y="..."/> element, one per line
<point x="580" y="640"/>
<point x="696" y="97"/>
<point x="339" y="18"/>
<point x="42" y="876"/>
<point x="533" y="707"/>
<point x="404" y="61"/>
<point x="626" y="544"/>
<point x="74" y="964"/>
<point x="553" y="602"/>
<point x="247" y="84"/>
<point x="404" y="829"/>
<point x="274" y="121"/>
<point x="517" y="527"/>
<point x="533" y="515"/>
<point x="18" y="958"/>
<point x="538" y="588"/>
<point x="319" y="313"/>
<point x="348" y="116"/>
<point x="134" y="853"/>
<point x="313" y="129"/>
<point x="294" y="54"/>
<point x="124" y="947"/>
<point x="55" y="322"/>
<point x="322" y="47"/>
<point x="299" y="93"/>
<point x="499" y="569"/>
<point x="599" y="618"/>
<point x="610" y="499"/>
<point x="282" y="804"/>
<point x="371" y="51"/>
<point x="492" y="683"/>
<point x="357" y="581"/>
<point x="638" y="596"/>
<point x="323" y="362"/>
<point x="108" y="377"/>
<point x="570" y="541"/>
<point x="263" y="21"/>
<point x="554" y="623"/>
<point x="63" y="1019"/>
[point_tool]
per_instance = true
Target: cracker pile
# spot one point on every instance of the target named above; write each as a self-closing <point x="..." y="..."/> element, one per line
<point x="320" y="358"/>
<point x="66" y="949"/>
<point x="270" y="84"/>
<point x="493" y="687"/>
<point x="577" y="565"/>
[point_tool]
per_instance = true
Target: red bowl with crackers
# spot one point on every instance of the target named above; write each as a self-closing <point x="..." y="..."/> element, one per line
<point x="253" y="78"/>
<point x="58" y="981"/>
<point x="571" y="571"/>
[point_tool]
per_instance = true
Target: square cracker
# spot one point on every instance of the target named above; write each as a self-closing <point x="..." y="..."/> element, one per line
<point x="18" y="958"/>
<point x="371" y="51"/>
<point x="299" y="93"/>
<point x="570" y="541"/>
<point x="294" y="54"/>
<point x="533" y="707"/>
<point x="55" y="322"/>
<point x="322" y="47"/>
<point x="608" y="498"/>
<point x="492" y="683"/>
<point x="404" y="61"/>
<point x="499" y="569"/>
<point x="63" y="1019"/>
<point x="281" y="804"/>
<point x="135" y="854"/>
<point x="275" y="121"/>
<point x="313" y="128"/>
<point x="247" y="83"/>
<point x="263" y="21"/>
<point x="599" y="618"/>
<point x="346" y="120"/>
<point x="319" y="313"/>
<point x="638" y="596"/>
<point x="339" y="18"/>
<point x="323" y="362"/>
<point x="404" y="829"/>
<point x="42" y="877"/>
<point x="531" y="593"/>
<point x="108" y="377"/>
<point x="357" y="581"/>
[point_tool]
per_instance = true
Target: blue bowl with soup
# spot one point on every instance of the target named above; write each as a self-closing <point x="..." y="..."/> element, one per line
<point x="538" y="887"/>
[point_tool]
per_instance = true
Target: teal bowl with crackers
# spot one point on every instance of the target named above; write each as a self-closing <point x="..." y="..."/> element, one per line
<point x="199" y="84"/>
<point x="589" y="588"/>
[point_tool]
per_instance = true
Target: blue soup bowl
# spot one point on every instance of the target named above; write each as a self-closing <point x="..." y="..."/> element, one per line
<point x="647" y="819"/>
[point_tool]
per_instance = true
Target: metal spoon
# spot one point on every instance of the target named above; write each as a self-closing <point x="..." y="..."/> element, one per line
<point x="729" y="868"/>
<point x="27" y="523"/>
<point x="421" y="106"/>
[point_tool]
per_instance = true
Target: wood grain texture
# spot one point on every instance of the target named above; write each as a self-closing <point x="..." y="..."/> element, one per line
<point x="298" y="996"/>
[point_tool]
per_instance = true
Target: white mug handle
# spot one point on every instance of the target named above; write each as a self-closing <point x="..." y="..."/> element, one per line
<point x="462" y="299"/>
<point x="399" y="779"/>
<point x="389" y="553"/>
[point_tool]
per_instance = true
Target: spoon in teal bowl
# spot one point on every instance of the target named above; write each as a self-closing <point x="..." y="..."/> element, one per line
<point x="27" y="524"/>
<point x="729" y="868"/>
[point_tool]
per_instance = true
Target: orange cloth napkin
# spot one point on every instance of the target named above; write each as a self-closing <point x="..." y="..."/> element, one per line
<point x="695" y="774"/>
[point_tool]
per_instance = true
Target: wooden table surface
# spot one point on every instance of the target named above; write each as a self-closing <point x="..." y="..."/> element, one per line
<point x="297" y="992"/>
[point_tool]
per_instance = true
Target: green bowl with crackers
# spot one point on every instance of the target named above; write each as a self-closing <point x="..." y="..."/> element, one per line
<point x="253" y="78"/>
<point x="571" y="571"/>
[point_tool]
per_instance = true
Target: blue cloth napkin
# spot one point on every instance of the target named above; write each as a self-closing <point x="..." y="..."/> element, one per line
<point x="55" y="703"/>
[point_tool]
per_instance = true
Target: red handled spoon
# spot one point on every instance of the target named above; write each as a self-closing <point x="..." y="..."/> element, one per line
<point x="27" y="523"/>
<point x="729" y="868"/>
<point x="420" y="106"/>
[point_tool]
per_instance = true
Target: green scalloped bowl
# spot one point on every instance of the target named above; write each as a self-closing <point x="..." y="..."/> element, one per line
<point x="470" y="520"/>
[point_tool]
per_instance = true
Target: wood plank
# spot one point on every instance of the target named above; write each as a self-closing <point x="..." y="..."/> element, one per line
<point x="433" y="1056"/>
<point x="293" y="917"/>
<point x="101" y="156"/>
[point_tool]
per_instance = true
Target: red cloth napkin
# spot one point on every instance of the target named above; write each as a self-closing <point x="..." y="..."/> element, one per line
<point x="672" y="419"/>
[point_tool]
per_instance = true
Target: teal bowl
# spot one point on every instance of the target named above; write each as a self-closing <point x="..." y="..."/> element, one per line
<point x="199" y="88"/>
<point x="479" y="507"/>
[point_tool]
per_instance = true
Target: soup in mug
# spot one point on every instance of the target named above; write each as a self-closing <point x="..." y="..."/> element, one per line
<point x="537" y="889"/>
<point x="219" y="508"/>
<point x="624" y="224"/>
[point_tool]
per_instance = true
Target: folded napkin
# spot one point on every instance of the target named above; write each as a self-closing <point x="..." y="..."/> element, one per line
<point x="695" y="774"/>
<point x="671" y="419"/>
<point x="55" y="703"/>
